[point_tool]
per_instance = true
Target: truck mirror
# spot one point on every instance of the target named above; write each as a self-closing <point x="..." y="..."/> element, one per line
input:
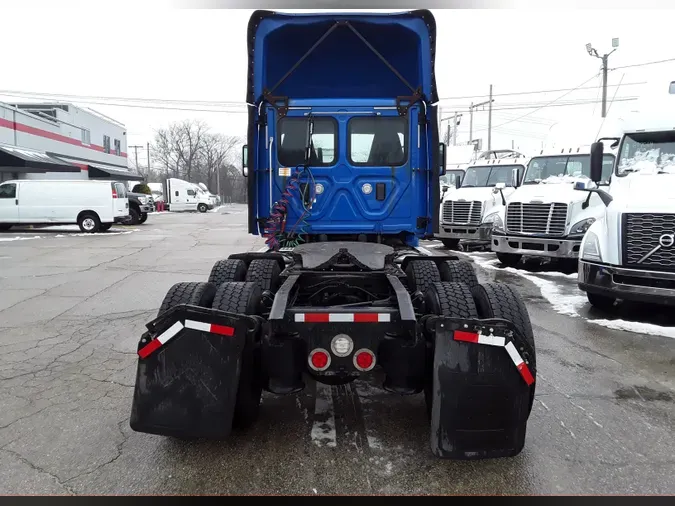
<point x="458" y="181"/>
<point x="515" y="178"/>
<point x="244" y="160"/>
<point x="597" y="150"/>
<point x="441" y="159"/>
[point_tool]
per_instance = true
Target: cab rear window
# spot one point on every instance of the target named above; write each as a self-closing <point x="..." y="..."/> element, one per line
<point x="292" y="142"/>
<point x="378" y="141"/>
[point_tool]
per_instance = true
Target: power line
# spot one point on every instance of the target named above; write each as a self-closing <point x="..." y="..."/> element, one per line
<point x="535" y="92"/>
<point x="550" y="103"/>
<point x="642" y="65"/>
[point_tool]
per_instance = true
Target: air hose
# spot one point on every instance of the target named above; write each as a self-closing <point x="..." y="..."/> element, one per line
<point x="275" y="229"/>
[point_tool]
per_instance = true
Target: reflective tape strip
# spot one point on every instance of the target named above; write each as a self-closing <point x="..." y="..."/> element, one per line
<point x="520" y="364"/>
<point x="342" y="317"/>
<point x="473" y="337"/>
<point x="210" y="327"/>
<point x="160" y="340"/>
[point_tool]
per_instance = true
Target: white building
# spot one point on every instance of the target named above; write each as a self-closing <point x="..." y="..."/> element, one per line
<point x="60" y="140"/>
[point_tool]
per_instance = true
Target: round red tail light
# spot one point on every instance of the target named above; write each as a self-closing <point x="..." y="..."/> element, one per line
<point x="319" y="359"/>
<point x="364" y="360"/>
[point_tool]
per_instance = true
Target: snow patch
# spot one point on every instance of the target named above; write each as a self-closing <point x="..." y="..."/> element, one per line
<point x="18" y="238"/>
<point x="563" y="303"/>
<point x="637" y="327"/>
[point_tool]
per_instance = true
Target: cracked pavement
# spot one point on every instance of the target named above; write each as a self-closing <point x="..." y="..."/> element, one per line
<point x="73" y="308"/>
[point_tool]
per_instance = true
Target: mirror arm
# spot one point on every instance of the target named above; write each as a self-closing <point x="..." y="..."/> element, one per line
<point x="604" y="196"/>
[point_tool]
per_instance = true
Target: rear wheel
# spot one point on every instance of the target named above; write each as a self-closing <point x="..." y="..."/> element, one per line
<point x="452" y="300"/>
<point x="601" y="302"/>
<point x="421" y="275"/>
<point x="89" y="223"/>
<point x="227" y="270"/>
<point x="265" y="272"/>
<point x="458" y="271"/>
<point x="244" y="298"/>
<point x="509" y="259"/>
<point x="191" y="292"/>
<point x="451" y="243"/>
<point x="134" y="217"/>
<point x="500" y="300"/>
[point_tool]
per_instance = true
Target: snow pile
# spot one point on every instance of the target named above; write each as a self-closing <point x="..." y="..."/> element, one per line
<point x="648" y="162"/>
<point x="568" y="179"/>
<point x="18" y="238"/>
<point x="563" y="303"/>
<point x="637" y="327"/>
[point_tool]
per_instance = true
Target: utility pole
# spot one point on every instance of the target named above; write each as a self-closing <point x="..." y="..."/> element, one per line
<point x="148" y="144"/>
<point x="135" y="148"/>
<point x="605" y="57"/>
<point x="490" y="121"/>
<point x="471" y="109"/>
<point x="455" y="122"/>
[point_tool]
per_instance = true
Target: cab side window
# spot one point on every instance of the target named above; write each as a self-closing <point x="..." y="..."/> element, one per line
<point x="191" y="193"/>
<point x="8" y="191"/>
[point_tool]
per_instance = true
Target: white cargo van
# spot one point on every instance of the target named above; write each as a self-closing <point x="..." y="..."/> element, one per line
<point x="93" y="205"/>
<point x="185" y="196"/>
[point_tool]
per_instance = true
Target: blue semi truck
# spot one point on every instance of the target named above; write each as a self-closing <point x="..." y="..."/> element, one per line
<point x="342" y="161"/>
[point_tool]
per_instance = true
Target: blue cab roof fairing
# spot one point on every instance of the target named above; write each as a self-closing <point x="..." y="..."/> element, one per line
<point x="341" y="61"/>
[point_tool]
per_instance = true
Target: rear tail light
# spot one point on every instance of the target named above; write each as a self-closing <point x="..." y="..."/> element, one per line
<point x="364" y="360"/>
<point x="319" y="359"/>
<point x="114" y="193"/>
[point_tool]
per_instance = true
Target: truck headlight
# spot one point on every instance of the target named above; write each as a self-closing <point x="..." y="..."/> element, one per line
<point x="591" y="248"/>
<point x="143" y="200"/>
<point x="582" y="226"/>
<point x="497" y="222"/>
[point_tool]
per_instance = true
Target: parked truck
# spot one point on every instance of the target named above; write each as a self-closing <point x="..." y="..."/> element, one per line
<point x="545" y="217"/>
<point x="343" y="162"/>
<point x="486" y="185"/>
<point x="185" y="196"/>
<point x="628" y="253"/>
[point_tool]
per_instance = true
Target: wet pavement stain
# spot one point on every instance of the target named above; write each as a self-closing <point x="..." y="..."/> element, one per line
<point x="642" y="393"/>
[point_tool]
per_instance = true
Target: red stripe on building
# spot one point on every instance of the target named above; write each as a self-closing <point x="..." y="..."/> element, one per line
<point x="20" y="127"/>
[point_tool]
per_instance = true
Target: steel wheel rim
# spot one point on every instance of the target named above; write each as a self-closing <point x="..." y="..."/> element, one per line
<point x="88" y="224"/>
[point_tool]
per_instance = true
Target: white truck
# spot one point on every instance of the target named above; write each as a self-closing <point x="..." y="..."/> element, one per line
<point x="185" y="196"/>
<point x="546" y="216"/>
<point x="487" y="184"/>
<point x="628" y="253"/>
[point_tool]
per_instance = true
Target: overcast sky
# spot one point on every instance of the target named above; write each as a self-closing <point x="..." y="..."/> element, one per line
<point x="201" y="55"/>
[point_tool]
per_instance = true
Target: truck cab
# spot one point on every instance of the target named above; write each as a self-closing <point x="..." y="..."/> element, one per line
<point x="487" y="184"/>
<point x="342" y="148"/>
<point x="628" y="253"/>
<point x="546" y="217"/>
<point x="186" y="196"/>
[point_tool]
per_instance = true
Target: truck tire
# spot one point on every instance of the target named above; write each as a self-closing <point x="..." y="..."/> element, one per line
<point x="501" y="300"/>
<point x="134" y="217"/>
<point x="601" y="302"/>
<point x="453" y="300"/>
<point x="5" y="226"/>
<point x="191" y="292"/>
<point x="143" y="218"/>
<point x="244" y="298"/>
<point x="227" y="270"/>
<point x="265" y="272"/>
<point x="458" y="272"/>
<point x="89" y="222"/>
<point x="421" y="275"/>
<point x="509" y="259"/>
<point x="452" y="244"/>
<point x="202" y="208"/>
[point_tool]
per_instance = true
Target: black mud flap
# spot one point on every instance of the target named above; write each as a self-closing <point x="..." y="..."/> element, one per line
<point x="483" y="388"/>
<point x="188" y="372"/>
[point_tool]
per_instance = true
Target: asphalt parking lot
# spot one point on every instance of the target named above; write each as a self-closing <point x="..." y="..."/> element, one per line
<point x="73" y="306"/>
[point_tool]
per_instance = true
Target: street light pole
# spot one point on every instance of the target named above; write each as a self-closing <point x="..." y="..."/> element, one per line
<point x="605" y="57"/>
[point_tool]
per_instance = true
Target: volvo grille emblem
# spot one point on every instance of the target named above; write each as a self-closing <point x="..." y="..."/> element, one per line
<point x="665" y="241"/>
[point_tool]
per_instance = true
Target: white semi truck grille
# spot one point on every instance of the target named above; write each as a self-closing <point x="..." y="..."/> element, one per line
<point x="541" y="219"/>
<point x="462" y="213"/>
<point x="648" y="241"/>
